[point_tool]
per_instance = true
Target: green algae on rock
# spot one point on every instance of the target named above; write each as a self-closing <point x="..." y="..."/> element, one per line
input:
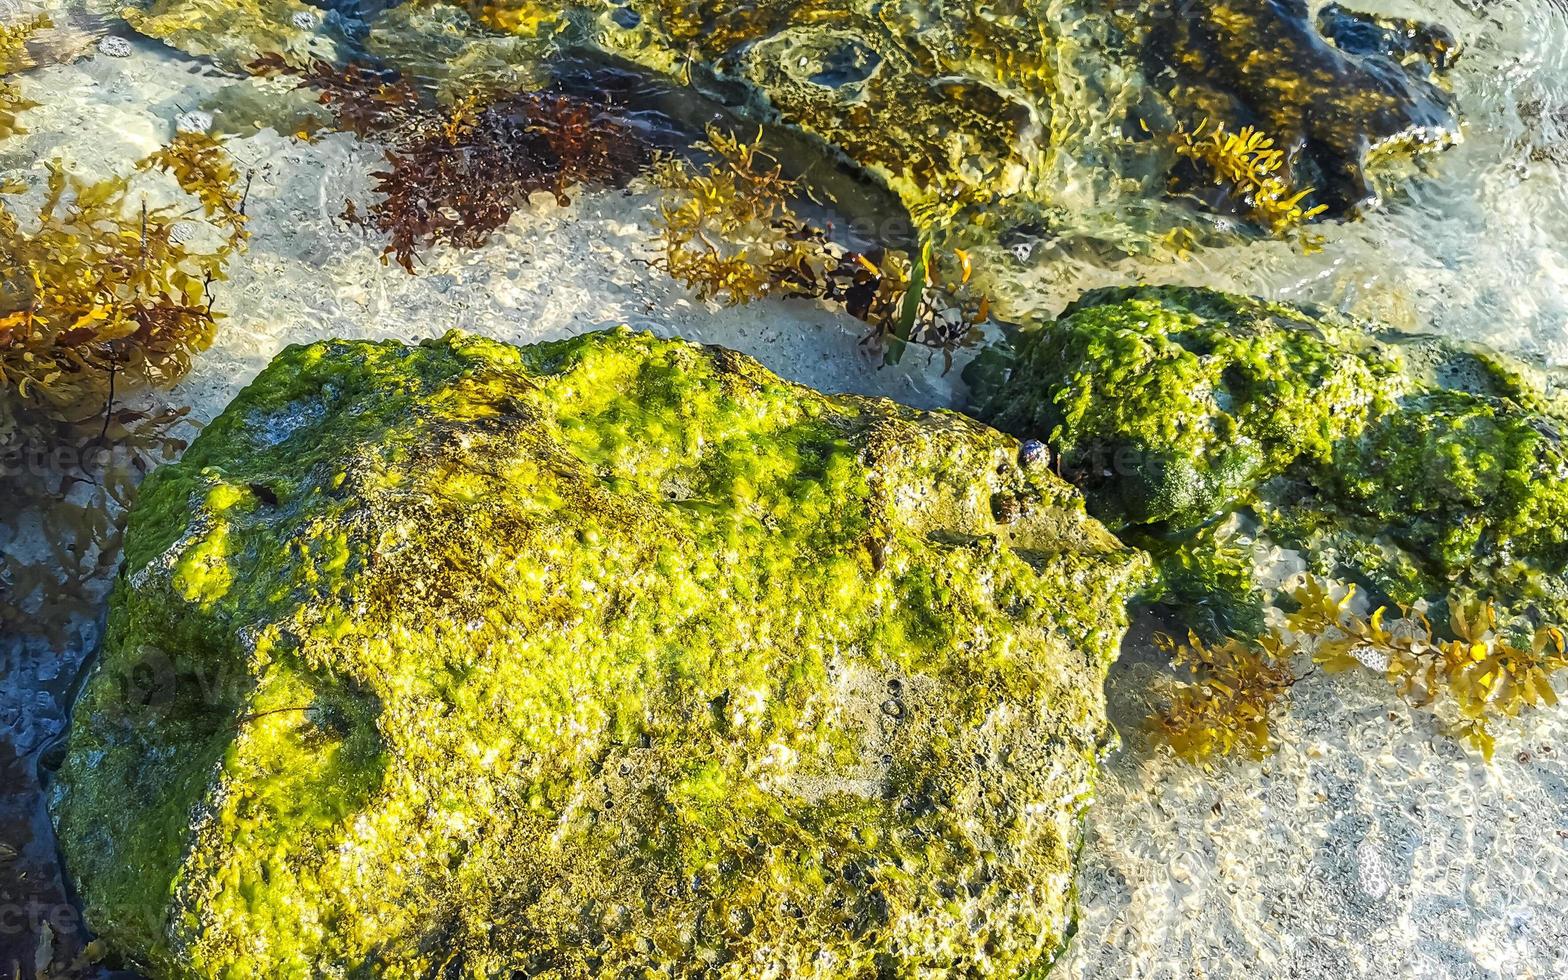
<point x="1419" y="468"/>
<point x="1172" y="403"/>
<point x="593" y="658"/>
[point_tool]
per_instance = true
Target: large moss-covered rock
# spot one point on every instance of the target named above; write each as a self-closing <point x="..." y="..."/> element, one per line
<point x="1418" y="467"/>
<point x="607" y="657"/>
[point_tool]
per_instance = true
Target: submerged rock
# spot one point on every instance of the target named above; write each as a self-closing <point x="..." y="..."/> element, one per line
<point x="940" y="102"/>
<point x="976" y="117"/>
<point x="593" y="658"/>
<point x="1419" y="468"/>
<point x="232" y="33"/>
<point x="1333" y="91"/>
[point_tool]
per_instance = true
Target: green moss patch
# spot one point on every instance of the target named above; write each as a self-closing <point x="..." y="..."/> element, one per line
<point x="1417" y="468"/>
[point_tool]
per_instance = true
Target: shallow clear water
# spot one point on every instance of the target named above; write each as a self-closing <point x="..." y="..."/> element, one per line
<point x="1472" y="249"/>
<point x="1369" y="846"/>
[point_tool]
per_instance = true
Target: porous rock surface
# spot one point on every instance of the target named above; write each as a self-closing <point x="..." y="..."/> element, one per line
<point x="1418" y="468"/>
<point x="611" y="656"/>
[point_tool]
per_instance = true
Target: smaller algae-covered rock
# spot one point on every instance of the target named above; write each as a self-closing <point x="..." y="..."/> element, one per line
<point x="1417" y="467"/>
<point x="1334" y="91"/>
<point x="1169" y="404"/>
<point x="601" y="658"/>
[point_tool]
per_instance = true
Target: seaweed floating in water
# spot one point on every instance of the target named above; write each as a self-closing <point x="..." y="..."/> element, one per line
<point x="102" y="288"/>
<point x="729" y="232"/>
<point x="466" y="175"/>
<point x="100" y="296"/>
<point x="364" y="100"/>
<point x="1472" y="679"/>
<point x="1226" y="707"/>
<point x="1249" y="172"/>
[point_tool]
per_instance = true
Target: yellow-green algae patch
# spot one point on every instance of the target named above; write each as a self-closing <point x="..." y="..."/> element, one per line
<point x="1420" y="469"/>
<point x="608" y="657"/>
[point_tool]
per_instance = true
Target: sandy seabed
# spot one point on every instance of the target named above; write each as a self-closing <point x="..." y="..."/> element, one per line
<point x="1368" y="845"/>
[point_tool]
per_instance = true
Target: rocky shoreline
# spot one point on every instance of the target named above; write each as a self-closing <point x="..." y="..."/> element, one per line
<point x="1244" y="449"/>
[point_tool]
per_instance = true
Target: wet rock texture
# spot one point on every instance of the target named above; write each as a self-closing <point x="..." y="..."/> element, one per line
<point x="1334" y="91"/>
<point x="603" y="657"/>
<point x="937" y="100"/>
<point x="1422" y="469"/>
<point x="953" y="107"/>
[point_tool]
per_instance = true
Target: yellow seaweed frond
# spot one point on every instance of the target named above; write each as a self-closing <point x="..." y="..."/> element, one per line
<point x="1249" y="164"/>
<point x="1474" y="678"/>
<point x="1481" y="673"/>
<point x="13" y="43"/>
<point x="14" y="58"/>
<point x="1225" y="707"/>
<point x="729" y="232"/>
<point x="100" y="287"/>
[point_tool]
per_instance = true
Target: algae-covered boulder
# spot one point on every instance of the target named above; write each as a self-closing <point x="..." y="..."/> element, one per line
<point x="607" y="657"/>
<point x="1172" y="403"/>
<point x="1418" y="467"/>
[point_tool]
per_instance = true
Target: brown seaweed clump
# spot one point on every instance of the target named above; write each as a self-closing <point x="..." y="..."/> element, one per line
<point x="465" y="176"/>
<point x="457" y="174"/>
<point x="364" y="100"/>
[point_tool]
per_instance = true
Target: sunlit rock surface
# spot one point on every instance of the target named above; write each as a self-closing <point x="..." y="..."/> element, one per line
<point x="941" y="102"/>
<point x="604" y="655"/>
